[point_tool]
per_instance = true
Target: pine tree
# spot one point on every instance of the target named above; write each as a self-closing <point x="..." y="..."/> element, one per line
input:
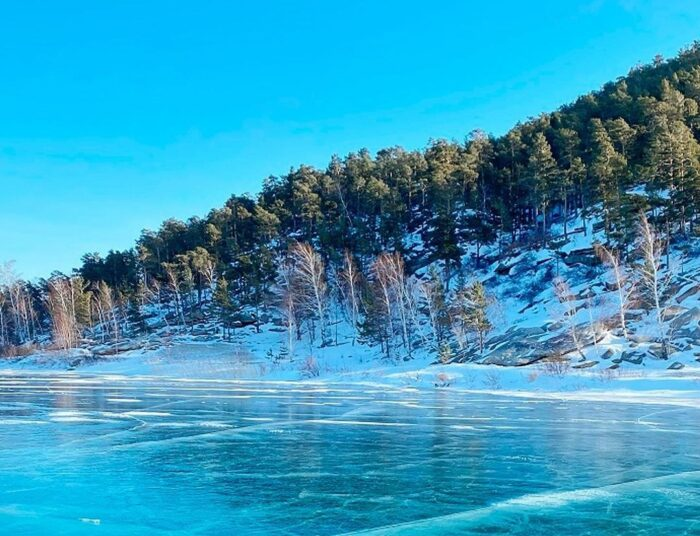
<point x="609" y="169"/>
<point x="542" y="172"/>
<point x="470" y="312"/>
<point x="224" y="305"/>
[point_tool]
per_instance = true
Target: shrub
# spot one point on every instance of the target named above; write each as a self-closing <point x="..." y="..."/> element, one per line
<point x="555" y="366"/>
<point x="310" y="368"/>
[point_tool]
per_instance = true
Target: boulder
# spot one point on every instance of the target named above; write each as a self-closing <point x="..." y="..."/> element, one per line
<point x="608" y="353"/>
<point x="657" y="350"/>
<point x="685" y="318"/>
<point x="585" y="257"/>
<point x="640" y="339"/>
<point x="692" y="291"/>
<point x="688" y="333"/>
<point x="585" y="364"/>
<point x="242" y="320"/>
<point x="523" y="346"/>
<point x="635" y="358"/>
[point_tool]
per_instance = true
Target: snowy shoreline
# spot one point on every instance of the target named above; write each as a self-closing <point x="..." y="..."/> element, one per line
<point x="222" y="363"/>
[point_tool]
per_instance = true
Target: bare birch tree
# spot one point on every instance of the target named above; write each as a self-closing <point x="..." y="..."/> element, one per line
<point x="107" y="311"/>
<point x="4" y="334"/>
<point x="175" y="283"/>
<point x="68" y="306"/>
<point x="287" y="303"/>
<point x="653" y="281"/>
<point x="624" y="283"/>
<point x="435" y="297"/>
<point x="17" y="308"/>
<point x="396" y="294"/>
<point x="568" y="301"/>
<point x="309" y="280"/>
<point x="349" y="281"/>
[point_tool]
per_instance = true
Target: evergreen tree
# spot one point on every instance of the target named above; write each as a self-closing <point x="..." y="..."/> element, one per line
<point x="224" y="305"/>
<point x="609" y="168"/>
<point x="542" y="172"/>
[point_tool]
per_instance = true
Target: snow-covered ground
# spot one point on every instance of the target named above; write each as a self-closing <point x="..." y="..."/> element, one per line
<point x="650" y="382"/>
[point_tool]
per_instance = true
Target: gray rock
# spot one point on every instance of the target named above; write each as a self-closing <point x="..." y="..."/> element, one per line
<point x="586" y="257"/>
<point x="640" y="339"/>
<point x="689" y="333"/>
<point x="693" y="291"/>
<point x="685" y="318"/>
<point x="672" y="311"/>
<point x="527" y="345"/>
<point x="676" y="366"/>
<point x="608" y="354"/>
<point x="635" y="358"/>
<point x="657" y="350"/>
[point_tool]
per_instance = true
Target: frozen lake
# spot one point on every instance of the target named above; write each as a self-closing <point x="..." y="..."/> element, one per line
<point x="114" y="455"/>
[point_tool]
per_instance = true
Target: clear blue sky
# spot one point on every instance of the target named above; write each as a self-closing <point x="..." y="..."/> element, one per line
<point x="117" y="115"/>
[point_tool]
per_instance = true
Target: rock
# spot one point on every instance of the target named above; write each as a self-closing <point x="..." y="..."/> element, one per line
<point x="203" y="331"/>
<point x="585" y="364"/>
<point x="673" y="311"/>
<point x="692" y="291"/>
<point x="635" y="358"/>
<point x="685" y="317"/>
<point x="197" y="315"/>
<point x="610" y="286"/>
<point x="608" y="353"/>
<point x="586" y="257"/>
<point x="242" y="320"/>
<point x="688" y="333"/>
<point x="503" y="268"/>
<point x="112" y="348"/>
<point x="515" y="355"/>
<point x="640" y="339"/>
<point x="527" y="332"/>
<point x="657" y="350"/>
<point x="676" y="366"/>
<point x="159" y="323"/>
<point x="523" y="346"/>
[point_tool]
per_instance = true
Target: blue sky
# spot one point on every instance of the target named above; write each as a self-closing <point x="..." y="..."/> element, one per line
<point x="117" y="115"/>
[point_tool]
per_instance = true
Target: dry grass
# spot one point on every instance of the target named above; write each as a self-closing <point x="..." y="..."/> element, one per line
<point x="492" y="381"/>
<point x="310" y="368"/>
<point x="608" y="374"/>
<point x="555" y="366"/>
<point x="12" y="351"/>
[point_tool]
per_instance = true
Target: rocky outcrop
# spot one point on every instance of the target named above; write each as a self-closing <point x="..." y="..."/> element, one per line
<point x="523" y="346"/>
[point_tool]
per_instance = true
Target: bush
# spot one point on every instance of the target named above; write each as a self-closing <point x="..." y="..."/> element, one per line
<point x="555" y="366"/>
<point x="11" y="350"/>
<point x="310" y="368"/>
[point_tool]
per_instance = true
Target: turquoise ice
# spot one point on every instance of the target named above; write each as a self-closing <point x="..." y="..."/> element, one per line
<point x="110" y="455"/>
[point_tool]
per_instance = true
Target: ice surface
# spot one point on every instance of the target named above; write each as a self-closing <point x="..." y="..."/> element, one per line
<point x="115" y="455"/>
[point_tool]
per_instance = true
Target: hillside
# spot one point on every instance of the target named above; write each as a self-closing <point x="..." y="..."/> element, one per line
<point x="573" y="236"/>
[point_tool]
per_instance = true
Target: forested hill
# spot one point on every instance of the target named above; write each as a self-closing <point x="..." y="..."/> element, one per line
<point x="641" y="129"/>
<point x="441" y="205"/>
